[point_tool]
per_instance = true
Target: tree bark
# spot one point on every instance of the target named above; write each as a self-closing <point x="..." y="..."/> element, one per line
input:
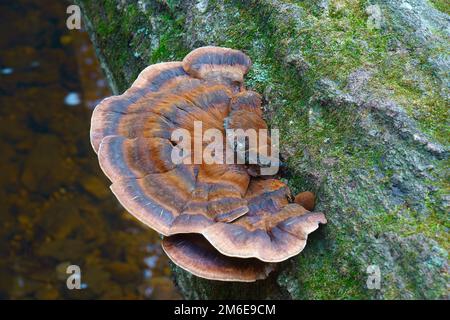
<point x="359" y="91"/>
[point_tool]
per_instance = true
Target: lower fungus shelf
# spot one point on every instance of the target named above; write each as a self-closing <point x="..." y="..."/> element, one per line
<point x="195" y="254"/>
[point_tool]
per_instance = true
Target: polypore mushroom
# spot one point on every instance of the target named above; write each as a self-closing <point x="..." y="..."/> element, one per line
<point x="234" y="221"/>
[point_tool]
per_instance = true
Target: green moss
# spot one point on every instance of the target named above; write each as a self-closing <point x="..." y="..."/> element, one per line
<point x="132" y="42"/>
<point x="322" y="275"/>
<point x="441" y="5"/>
<point x="170" y="45"/>
<point x="341" y="42"/>
<point x="422" y="100"/>
<point x="404" y="221"/>
<point x="336" y="44"/>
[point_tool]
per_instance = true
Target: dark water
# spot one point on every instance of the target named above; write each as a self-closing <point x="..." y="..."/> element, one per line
<point x="55" y="206"/>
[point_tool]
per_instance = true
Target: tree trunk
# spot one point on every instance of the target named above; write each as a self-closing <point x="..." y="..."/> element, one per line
<point x="359" y="91"/>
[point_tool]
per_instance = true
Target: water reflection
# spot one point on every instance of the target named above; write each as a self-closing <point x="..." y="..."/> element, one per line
<point x="55" y="205"/>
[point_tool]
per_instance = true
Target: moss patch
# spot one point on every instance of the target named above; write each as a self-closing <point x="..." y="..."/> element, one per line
<point x="139" y="38"/>
<point x="441" y="5"/>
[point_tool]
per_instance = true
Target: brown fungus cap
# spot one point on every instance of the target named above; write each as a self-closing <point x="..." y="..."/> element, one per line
<point x="162" y="77"/>
<point x="195" y="254"/>
<point x="167" y="197"/>
<point x="217" y="64"/>
<point x="273" y="230"/>
<point x="235" y="214"/>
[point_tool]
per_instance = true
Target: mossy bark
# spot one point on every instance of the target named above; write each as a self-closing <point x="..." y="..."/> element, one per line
<point x="359" y="93"/>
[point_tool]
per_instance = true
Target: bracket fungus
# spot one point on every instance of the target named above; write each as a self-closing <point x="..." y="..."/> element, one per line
<point x="221" y="221"/>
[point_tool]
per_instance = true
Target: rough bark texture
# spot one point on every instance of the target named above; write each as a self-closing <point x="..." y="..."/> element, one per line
<point x="359" y="91"/>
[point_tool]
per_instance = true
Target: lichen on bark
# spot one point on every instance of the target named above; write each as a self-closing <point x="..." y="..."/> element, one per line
<point x="362" y="111"/>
